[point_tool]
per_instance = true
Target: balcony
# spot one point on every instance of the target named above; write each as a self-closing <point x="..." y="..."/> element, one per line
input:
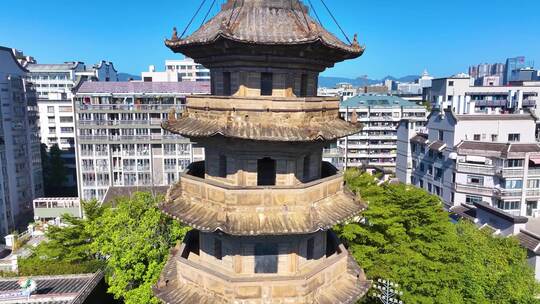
<point x="505" y="193"/>
<point x="129" y="108"/>
<point x="475" y="169"/>
<point x="474" y="189"/>
<point x="511" y="172"/>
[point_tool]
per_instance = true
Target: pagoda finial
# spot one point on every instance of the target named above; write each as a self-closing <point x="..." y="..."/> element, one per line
<point x="174" y="34"/>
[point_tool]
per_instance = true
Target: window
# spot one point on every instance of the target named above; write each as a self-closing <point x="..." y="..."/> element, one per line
<point x="508" y="205"/>
<point x="476" y="137"/>
<point x="307" y="161"/>
<point x="533" y="183"/>
<point x="430" y="170"/>
<point x="66" y="119"/>
<point x="452" y="197"/>
<point x="413" y="147"/>
<point x="451" y="83"/>
<point x="65" y="109"/>
<point x="493" y="137"/>
<point x="218" y="254"/>
<point x="450" y="97"/>
<point x="51" y="119"/>
<point x="266" y="84"/>
<point x="310" y="249"/>
<point x="222" y="166"/>
<point x="441" y="135"/>
<point x="50" y="109"/>
<point x="513" y="137"/>
<point x="438" y="173"/>
<point x="422" y="167"/>
<point x="438" y="190"/>
<point x="475" y="180"/>
<point x="513" y="184"/>
<point x="52" y="130"/>
<point x="227" y="83"/>
<point x="414" y="164"/>
<point x="303" y="85"/>
<point x="514" y="163"/>
<point x="266" y="258"/>
<point x="421" y="183"/>
<point x="471" y="199"/>
<point x="429" y="187"/>
<point x="266" y="172"/>
<point x="66" y="129"/>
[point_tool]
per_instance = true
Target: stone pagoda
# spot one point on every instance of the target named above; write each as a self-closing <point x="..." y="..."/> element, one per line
<point x="263" y="203"/>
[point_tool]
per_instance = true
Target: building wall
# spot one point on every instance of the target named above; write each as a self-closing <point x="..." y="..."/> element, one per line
<point x="20" y="160"/>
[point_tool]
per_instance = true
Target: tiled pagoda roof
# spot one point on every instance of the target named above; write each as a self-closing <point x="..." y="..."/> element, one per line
<point x="268" y="22"/>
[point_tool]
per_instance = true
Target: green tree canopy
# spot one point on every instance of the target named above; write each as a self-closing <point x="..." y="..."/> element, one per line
<point x="135" y="237"/>
<point x="408" y="238"/>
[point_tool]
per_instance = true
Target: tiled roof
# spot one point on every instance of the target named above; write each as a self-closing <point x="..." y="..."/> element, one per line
<point x="529" y="240"/>
<point x="36" y="67"/>
<point x="378" y="101"/>
<point x="419" y="138"/>
<point x="437" y="146"/>
<point x="321" y="215"/>
<point x="278" y="22"/>
<point x="524" y="148"/>
<point x="516" y="219"/>
<point x="184" y="87"/>
<point x="495" y="149"/>
<point x="53" y="289"/>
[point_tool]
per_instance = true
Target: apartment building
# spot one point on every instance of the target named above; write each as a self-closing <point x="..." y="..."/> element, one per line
<point x="376" y="145"/>
<point x="20" y="161"/>
<point x="177" y="70"/>
<point x="466" y="159"/>
<point x="460" y="93"/>
<point x="119" y="137"/>
<point x="342" y="90"/>
<point x="54" y="84"/>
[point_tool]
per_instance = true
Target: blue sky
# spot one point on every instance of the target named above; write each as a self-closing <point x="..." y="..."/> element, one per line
<point x="402" y="36"/>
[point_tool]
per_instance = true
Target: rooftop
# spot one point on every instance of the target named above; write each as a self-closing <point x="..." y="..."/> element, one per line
<point x="61" y="289"/>
<point x="497" y="149"/>
<point x="37" y="67"/>
<point x="184" y="87"/>
<point x="379" y="101"/>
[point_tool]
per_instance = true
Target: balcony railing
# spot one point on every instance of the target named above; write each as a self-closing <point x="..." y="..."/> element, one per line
<point x="476" y="169"/>
<point x="511" y="172"/>
<point x="124" y="107"/>
<point x="474" y="189"/>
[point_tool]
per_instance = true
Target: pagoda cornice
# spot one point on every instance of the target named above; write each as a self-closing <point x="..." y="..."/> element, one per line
<point x="262" y="118"/>
<point x="211" y="206"/>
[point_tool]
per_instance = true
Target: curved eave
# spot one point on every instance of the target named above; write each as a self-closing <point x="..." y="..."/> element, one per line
<point x="322" y="215"/>
<point x="195" y="128"/>
<point x="347" y="51"/>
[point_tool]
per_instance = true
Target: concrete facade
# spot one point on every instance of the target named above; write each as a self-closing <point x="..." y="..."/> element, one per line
<point x="20" y="161"/>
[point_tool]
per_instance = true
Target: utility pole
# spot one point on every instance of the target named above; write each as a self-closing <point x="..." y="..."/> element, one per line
<point x="387" y="292"/>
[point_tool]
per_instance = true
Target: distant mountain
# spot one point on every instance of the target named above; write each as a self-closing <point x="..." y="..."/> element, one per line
<point x="330" y="82"/>
<point x="127" y="77"/>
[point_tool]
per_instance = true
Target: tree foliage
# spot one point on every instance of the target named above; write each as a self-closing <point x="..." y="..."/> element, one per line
<point x="54" y="170"/>
<point x="408" y="238"/>
<point x="136" y="238"/>
<point x="131" y="242"/>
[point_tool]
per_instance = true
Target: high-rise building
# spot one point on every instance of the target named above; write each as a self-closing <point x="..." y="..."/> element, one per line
<point x="54" y="84"/>
<point x="474" y="158"/>
<point x="119" y="138"/>
<point x="262" y="204"/>
<point x="513" y="64"/>
<point x="20" y="161"/>
<point x="375" y="146"/>
<point x="177" y="70"/>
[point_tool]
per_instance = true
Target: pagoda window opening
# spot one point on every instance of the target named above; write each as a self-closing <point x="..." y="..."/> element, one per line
<point x="222" y="166"/>
<point x="266" y="258"/>
<point x="218" y="253"/>
<point x="227" y="84"/>
<point x="307" y="171"/>
<point x="303" y="85"/>
<point x="310" y="250"/>
<point x="266" y="172"/>
<point x="267" y="83"/>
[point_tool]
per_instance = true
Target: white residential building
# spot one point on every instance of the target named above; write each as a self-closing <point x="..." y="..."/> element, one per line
<point x="460" y="93"/>
<point x="375" y="146"/>
<point x="20" y="161"/>
<point x="470" y="158"/>
<point x="54" y="84"/>
<point x="177" y="70"/>
<point x="120" y="142"/>
<point x="342" y="90"/>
